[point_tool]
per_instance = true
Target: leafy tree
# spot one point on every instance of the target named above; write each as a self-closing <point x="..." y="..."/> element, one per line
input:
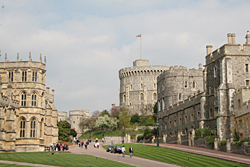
<point x="106" y="123"/>
<point x="148" y="121"/>
<point x="135" y="119"/>
<point x="105" y="112"/>
<point x="73" y="132"/>
<point x="124" y="118"/>
<point x="88" y="122"/>
<point x="64" y="131"/>
<point x="96" y="113"/>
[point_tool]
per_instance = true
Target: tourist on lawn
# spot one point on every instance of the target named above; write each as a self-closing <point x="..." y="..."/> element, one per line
<point x="131" y="151"/>
<point x="61" y="147"/>
<point x="123" y="151"/>
<point x="82" y="144"/>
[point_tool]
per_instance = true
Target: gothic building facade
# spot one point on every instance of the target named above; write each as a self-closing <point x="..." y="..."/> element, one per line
<point x="28" y="117"/>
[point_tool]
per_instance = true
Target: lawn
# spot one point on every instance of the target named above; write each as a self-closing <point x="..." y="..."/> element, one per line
<point x="99" y="135"/>
<point x="68" y="160"/>
<point x="178" y="157"/>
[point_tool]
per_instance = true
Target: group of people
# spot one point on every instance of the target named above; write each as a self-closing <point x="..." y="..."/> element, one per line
<point x="131" y="150"/>
<point x="57" y="147"/>
<point x="81" y="143"/>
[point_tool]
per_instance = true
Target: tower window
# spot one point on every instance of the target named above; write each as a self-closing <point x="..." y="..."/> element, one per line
<point x="142" y="96"/>
<point x="186" y="84"/>
<point x="179" y="96"/>
<point x="24" y="76"/>
<point x="247" y="82"/>
<point x="23" y="99"/>
<point x="22" y="127"/>
<point x="154" y="85"/>
<point x="33" y="97"/>
<point x="246" y="67"/>
<point x="194" y="84"/>
<point x="154" y="96"/>
<point x="11" y="76"/>
<point x="33" y="127"/>
<point x="34" y="76"/>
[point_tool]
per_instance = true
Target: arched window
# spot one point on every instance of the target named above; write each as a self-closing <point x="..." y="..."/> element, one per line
<point x="23" y="99"/>
<point x="179" y="96"/>
<point x="22" y="127"/>
<point x="33" y="99"/>
<point x="142" y="96"/>
<point x="154" y="96"/>
<point x="11" y="76"/>
<point x="193" y="84"/>
<point x="124" y="98"/>
<point x="185" y="84"/>
<point x="41" y="128"/>
<point x="32" y="127"/>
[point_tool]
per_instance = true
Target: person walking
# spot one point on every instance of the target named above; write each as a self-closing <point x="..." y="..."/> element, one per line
<point x="97" y="144"/>
<point x="131" y="151"/>
<point x="82" y="144"/>
<point x="123" y="151"/>
<point x="86" y="145"/>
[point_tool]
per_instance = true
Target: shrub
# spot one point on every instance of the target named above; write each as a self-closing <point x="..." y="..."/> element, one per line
<point x="238" y="143"/>
<point x="249" y="143"/>
<point x="139" y="138"/>
<point x="222" y="143"/>
<point x="196" y="137"/>
<point x="210" y="139"/>
<point x="246" y="140"/>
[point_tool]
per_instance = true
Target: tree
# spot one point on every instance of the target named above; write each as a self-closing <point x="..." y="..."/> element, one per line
<point x="106" y="123"/>
<point x="88" y="123"/>
<point x="105" y="112"/>
<point x="124" y="118"/>
<point x="135" y="119"/>
<point x="115" y="111"/>
<point x="73" y="132"/>
<point x="96" y="113"/>
<point x="64" y="131"/>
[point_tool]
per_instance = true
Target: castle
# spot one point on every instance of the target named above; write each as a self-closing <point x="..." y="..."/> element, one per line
<point x="75" y="117"/>
<point x="216" y="97"/>
<point x="138" y="86"/>
<point x="28" y="117"/>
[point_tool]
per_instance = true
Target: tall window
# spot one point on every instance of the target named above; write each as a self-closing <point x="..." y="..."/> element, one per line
<point x="215" y="72"/>
<point x="246" y="67"/>
<point x="23" y="99"/>
<point x="124" y="98"/>
<point x="34" y="76"/>
<point x="154" y="96"/>
<point x="154" y="85"/>
<point x="179" y="96"/>
<point x="185" y="84"/>
<point x="33" y="127"/>
<point x="11" y="76"/>
<point x="247" y="82"/>
<point x="142" y="96"/>
<point x="24" y="76"/>
<point x="131" y="87"/>
<point x="33" y="101"/>
<point x="41" y="128"/>
<point x="193" y="84"/>
<point x="22" y="127"/>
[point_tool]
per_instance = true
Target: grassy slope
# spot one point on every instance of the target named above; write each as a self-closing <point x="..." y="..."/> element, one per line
<point x="60" y="159"/>
<point x="178" y="157"/>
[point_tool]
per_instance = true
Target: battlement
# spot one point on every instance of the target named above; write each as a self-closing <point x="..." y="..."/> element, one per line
<point x="62" y="113"/>
<point x="174" y="71"/>
<point x="231" y="49"/>
<point x="140" y="63"/>
<point x="23" y="64"/>
<point x="77" y="112"/>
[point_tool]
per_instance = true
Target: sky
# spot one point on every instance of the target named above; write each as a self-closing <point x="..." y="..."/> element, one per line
<point x="86" y="42"/>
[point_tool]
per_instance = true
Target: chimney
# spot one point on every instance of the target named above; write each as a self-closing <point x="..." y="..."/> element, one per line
<point x="229" y="38"/>
<point x="233" y="38"/>
<point x="45" y="60"/>
<point x="209" y="49"/>
<point x="5" y="57"/>
<point x="53" y="94"/>
<point x="200" y="66"/>
<point x="40" y="57"/>
<point x="17" y="57"/>
<point x="248" y="38"/>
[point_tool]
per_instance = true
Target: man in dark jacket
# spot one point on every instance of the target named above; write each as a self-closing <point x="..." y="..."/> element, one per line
<point x="131" y="150"/>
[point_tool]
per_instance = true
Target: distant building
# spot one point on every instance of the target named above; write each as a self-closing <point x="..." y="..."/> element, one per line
<point x="76" y="116"/>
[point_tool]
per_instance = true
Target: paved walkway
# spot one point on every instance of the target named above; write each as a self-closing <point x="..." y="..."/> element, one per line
<point x="244" y="159"/>
<point x="134" y="161"/>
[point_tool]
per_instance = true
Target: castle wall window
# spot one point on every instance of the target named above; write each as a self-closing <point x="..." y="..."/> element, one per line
<point x="210" y="113"/>
<point x="34" y="76"/>
<point x="33" y="101"/>
<point x="124" y="98"/>
<point x="198" y="115"/>
<point x="11" y="76"/>
<point x="154" y="85"/>
<point x="246" y="67"/>
<point x="185" y="84"/>
<point x="174" y="122"/>
<point x="23" y="99"/>
<point x="142" y="96"/>
<point x="24" y="76"/>
<point x="179" y="96"/>
<point x="180" y="121"/>
<point x="154" y="96"/>
<point x="22" y="127"/>
<point x="239" y="105"/>
<point x="170" y="124"/>
<point x="192" y="117"/>
<point x="215" y="72"/>
<point x="247" y="82"/>
<point x="33" y="128"/>
<point x="41" y="128"/>
<point x="194" y="84"/>
<point x="131" y="87"/>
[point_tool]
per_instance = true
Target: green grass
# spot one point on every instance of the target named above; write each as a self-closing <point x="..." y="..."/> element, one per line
<point x="99" y="135"/>
<point x="178" y="157"/>
<point x="10" y="165"/>
<point x="68" y="160"/>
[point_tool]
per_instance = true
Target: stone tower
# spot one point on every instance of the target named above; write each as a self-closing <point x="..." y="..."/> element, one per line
<point x="138" y="85"/>
<point x="35" y="124"/>
<point x="76" y="116"/>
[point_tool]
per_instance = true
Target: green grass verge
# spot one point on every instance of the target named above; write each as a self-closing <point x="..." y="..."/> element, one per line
<point x="99" y="135"/>
<point x="177" y="157"/>
<point x="69" y="160"/>
<point x="10" y="165"/>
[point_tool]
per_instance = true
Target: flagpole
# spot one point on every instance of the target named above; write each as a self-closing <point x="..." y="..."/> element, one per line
<point x="140" y="48"/>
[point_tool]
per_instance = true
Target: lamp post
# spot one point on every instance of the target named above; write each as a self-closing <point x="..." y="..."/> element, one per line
<point x="123" y="135"/>
<point x="157" y="124"/>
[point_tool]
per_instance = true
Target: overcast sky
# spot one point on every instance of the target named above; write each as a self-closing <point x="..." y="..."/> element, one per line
<point x="86" y="42"/>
